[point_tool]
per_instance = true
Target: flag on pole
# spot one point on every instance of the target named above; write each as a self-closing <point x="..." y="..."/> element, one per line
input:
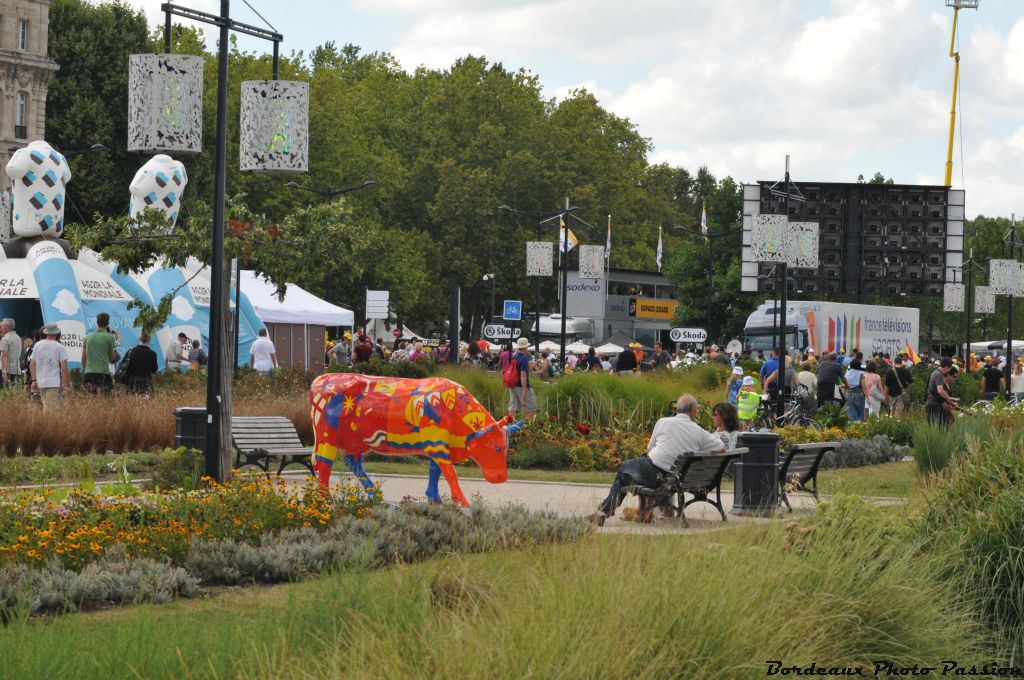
<point x="911" y="354"/>
<point x="561" y="237"/>
<point x="704" y="219"/>
<point x="608" y="245"/>
<point x="658" y="259"/>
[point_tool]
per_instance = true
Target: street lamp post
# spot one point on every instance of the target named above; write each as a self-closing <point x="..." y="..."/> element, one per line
<point x="541" y="218"/>
<point x="491" y="278"/>
<point x="218" y="385"/>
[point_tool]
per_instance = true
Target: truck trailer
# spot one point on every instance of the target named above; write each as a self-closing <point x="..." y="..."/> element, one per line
<point x="835" y="327"/>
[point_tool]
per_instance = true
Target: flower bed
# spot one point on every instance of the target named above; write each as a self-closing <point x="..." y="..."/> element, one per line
<point x="77" y="527"/>
<point x="63" y="551"/>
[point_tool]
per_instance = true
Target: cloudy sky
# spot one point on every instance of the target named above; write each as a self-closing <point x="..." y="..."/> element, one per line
<point x="846" y="87"/>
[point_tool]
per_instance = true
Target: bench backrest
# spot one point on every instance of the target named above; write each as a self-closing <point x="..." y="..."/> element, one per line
<point x="705" y="472"/>
<point x="803" y="461"/>
<point x="264" y="432"/>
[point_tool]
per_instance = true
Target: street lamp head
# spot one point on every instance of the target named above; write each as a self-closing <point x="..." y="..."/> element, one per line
<point x="505" y="208"/>
<point x="368" y="184"/>
<point x="96" y="148"/>
<point x="293" y="185"/>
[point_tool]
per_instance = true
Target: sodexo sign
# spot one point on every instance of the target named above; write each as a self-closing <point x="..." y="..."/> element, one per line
<point x="584" y="297"/>
<point x="696" y="335"/>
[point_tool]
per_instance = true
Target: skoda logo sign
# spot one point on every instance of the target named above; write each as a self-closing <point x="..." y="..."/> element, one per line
<point x="698" y="335"/>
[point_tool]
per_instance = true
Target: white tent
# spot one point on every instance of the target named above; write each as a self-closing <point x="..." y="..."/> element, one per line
<point x="298" y="306"/>
<point x="577" y="347"/>
<point x="550" y="345"/>
<point x="988" y="346"/>
<point x="608" y="348"/>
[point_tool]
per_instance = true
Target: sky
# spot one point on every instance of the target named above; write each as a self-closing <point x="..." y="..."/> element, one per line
<point x="845" y="87"/>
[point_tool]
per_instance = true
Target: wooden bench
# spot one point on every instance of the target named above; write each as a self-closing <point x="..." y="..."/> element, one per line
<point x="698" y="476"/>
<point x="259" y="440"/>
<point x="799" y="468"/>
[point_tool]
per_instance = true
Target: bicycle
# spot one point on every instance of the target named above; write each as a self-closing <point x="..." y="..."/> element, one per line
<point x="793" y="413"/>
<point x="1016" y="399"/>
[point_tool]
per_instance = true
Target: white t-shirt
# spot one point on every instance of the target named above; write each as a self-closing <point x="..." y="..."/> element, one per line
<point x="261" y="351"/>
<point x="677" y="435"/>
<point x="1017" y="383"/>
<point x="48" y="354"/>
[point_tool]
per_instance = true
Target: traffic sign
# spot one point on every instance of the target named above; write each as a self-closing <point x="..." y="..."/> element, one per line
<point x="697" y="335"/>
<point x="513" y="310"/>
<point x="499" y="331"/>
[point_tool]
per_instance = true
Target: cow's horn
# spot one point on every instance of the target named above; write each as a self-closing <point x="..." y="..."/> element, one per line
<point x="512" y="429"/>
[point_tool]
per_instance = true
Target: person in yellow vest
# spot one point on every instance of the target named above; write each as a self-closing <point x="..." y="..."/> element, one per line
<point x="748" y="401"/>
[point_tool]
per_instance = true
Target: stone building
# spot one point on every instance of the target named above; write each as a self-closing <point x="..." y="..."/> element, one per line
<point x="25" y="73"/>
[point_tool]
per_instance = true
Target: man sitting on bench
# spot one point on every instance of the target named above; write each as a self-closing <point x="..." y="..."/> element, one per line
<point x="671" y="438"/>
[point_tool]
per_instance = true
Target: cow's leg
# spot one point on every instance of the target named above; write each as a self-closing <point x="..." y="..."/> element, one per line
<point x="355" y="464"/>
<point x="453" y="483"/>
<point x="323" y="463"/>
<point x="435" y="474"/>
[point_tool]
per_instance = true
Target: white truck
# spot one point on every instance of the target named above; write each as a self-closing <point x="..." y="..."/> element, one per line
<point x="836" y="326"/>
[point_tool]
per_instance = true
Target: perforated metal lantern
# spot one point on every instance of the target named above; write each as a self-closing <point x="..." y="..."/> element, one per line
<point x="165" y="103"/>
<point x="274" y="129"/>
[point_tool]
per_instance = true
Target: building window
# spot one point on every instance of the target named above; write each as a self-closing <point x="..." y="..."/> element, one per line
<point x="23" y="34"/>
<point x="21" y="116"/>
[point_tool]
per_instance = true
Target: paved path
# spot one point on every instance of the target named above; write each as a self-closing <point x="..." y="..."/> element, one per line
<point x="563" y="498"/>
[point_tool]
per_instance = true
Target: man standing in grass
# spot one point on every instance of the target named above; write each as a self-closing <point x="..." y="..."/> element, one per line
<point x="49" y="366"/>
<point x="99" y="354"/>
<point x="675" y="436"/>
<point x="522" y="395"/>
<point x="10" y="354"/>
<point x="935" y="394"/>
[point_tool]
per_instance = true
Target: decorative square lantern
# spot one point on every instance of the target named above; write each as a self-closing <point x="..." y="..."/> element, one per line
<point x="274" y="129"/>
<point x="953" y="297"/>
<point x="1006" y="277"/>
<point x="165" y="103"/>
<point x="591" y="262"/>
<point x="775" y="239"/>
<point x="984" y="300"/>
<point x="538" y="258"/>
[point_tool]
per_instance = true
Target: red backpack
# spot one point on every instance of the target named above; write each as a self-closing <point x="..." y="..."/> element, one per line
<point x="511" y="375"/>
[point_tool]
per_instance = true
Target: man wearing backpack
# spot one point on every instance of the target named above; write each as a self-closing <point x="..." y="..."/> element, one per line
<point x="517" y="379"/>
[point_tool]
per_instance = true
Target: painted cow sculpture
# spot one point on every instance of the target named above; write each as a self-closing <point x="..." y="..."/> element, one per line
<point x="434" y="417"/>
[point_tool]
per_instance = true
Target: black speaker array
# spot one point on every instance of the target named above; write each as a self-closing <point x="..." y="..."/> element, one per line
<point x="874" y="238"/>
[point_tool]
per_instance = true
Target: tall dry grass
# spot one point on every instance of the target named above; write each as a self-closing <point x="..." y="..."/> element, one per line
<point x="122" y="422"/>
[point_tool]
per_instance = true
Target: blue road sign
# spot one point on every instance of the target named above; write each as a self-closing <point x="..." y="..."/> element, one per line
<point x="513" y="310"/>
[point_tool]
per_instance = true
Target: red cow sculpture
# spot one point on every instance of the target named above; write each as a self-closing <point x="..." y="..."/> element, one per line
<point x="434" y="417"/>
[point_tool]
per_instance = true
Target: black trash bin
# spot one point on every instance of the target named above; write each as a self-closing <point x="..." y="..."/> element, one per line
<point x="757" y="474"/>
<point x="190" y="427"/>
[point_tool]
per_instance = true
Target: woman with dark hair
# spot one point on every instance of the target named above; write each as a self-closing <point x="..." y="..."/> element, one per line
<point x="727" y="423"/>
<point x="474" y="357"/>
<point x="591" y="361"/>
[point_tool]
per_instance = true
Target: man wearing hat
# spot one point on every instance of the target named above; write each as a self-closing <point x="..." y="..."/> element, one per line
<point x="343" y="350"/>
<point x="522" y="395"/>
<point x="49" y="366"/>
<point x="748" y="401"/>
<point x="10" y="354"/>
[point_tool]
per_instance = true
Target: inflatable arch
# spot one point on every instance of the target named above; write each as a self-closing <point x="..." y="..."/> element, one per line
<point x="42" y="282"/>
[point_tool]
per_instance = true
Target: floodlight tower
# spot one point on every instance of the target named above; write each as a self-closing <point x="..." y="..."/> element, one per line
<point x="957" y="5"/>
